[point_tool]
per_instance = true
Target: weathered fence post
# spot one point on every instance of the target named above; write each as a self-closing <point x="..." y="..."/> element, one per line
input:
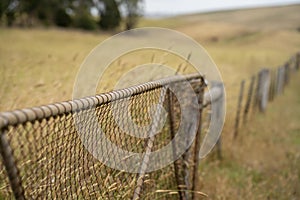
<point x="280" y="81"/>
<point x="239" y="107"/>
<point x="286" y="74"/>
<point x="179" y="181"/>
<point x="263" y="90"/>
<point x="215" y="97"/>
<point x="272" y="90"/>
<point x="249" y="98"/>
<point x="255" y="99"/>
<point x="297" y="64"/>
<point x="195" y="179"/>
<point x="219" y="104"/>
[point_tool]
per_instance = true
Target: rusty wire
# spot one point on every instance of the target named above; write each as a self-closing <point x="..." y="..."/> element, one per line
<point x="45" y="157"/>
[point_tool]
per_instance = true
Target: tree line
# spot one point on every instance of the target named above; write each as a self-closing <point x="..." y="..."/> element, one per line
<point x="83" y="14"/>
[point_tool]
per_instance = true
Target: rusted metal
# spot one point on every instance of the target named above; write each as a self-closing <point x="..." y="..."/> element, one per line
<point x="51" y="122"/>
<point x="149" y="147"/>
<point x="239" y="107"/>
<point x="38" y="113"/>
<point x="249" y="99"/>
<point x="10" y="166"/>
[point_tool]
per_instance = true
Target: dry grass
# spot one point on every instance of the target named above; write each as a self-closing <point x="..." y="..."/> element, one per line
<point x="264" y="162"/>
<point x="40" y="66"/>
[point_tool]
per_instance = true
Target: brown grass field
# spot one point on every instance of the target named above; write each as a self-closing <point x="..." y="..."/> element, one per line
<point x="39" y="66"/>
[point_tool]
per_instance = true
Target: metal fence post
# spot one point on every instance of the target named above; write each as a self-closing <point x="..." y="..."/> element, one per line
<point x="11" y="168"/>
<point x="239" y="107"/>
<point x="256" y="95"/>
<point x="249" y="98"/>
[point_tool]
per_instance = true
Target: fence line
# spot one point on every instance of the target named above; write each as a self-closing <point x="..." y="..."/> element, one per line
<point x="43" y="155"/>
<point x="270" y="83"/>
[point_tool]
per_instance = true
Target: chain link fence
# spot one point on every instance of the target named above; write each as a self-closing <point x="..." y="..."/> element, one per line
<point x="44" y="157"/>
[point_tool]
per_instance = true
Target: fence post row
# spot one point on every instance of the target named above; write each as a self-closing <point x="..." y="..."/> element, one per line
<point x="239" y="107"/>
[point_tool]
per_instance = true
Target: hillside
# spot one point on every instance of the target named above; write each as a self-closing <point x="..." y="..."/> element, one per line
<point x="270" y="18"/>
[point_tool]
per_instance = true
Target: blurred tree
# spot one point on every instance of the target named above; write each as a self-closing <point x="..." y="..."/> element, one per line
<point x="110" y="16"/>
<point x="10" y="17"/>
<point x="62" y="18"/>
<point x="83" y="19"/>
<point x="3" y="6"/>
<point x="8" y="8"/>
<point x="30" y="9"/>
<point x="66" y="13"/>
<point x="133" y="10"/>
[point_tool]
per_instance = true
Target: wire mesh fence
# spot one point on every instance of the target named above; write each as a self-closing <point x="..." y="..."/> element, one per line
<point x="44" y="156"/>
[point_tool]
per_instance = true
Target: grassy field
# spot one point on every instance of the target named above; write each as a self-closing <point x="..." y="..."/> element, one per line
<point x="39" y="66"/>
<point x="264" y="162"/>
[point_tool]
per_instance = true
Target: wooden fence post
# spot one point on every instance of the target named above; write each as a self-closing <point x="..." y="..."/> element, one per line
<point x="218" y="116"/>
<point x="286" y="74"/>
<point x="215" y="97"/>
<point x="280" y="81"/>
<point x="179" y="181"/>
<point x="297" y="64"/>
<point x="239" y="107"/>
<point x="272" y="85"/>
<point x="263" y="92"/>
<point x="195" y="179"/>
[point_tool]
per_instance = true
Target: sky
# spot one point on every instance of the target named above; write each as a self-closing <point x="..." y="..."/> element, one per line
<point x="174" y="7"/>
